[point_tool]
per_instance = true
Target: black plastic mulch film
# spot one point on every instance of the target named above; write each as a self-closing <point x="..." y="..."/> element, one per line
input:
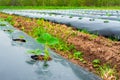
<point x="16" y="64"/>
<point x="104" y="27"/>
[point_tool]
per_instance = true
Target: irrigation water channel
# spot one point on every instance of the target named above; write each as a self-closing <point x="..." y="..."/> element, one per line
<point x="16" y="64"/>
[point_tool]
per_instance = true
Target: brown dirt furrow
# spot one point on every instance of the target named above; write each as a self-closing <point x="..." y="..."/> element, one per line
<point x="96" y="50"/>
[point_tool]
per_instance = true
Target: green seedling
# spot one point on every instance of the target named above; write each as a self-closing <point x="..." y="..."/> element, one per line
<point x="81" y="59"/>
<point x="80" y="18"/>
<point x="35" y="52"/>
<point x="2" y="24"/>
<point x="78" y="55"/>
<point x="70" y="56"/>
<point x="23" y="28"/>
<point x="9" y="19"/>
<point x="47" y="39"/>
<point x="9" y="30"/>
<point x="21" y="37"/>
<point x="107" y="73"/>
<point x="63" y="46"/>
<point x="2" y="19"/>
<point x="96" y="63"/>
<point x="71" y="17"/>
<point x="91" y="19"/>
<point x="12" y="22"/>
<point x="107" y="14"/>
<point x="92" y="36"/>
<point x="106" y="21"/>
<point x="38" y="31"/>
<point x="84" y="62"/>
<point x="113" y="38"/>
<point x="84" y="31"/>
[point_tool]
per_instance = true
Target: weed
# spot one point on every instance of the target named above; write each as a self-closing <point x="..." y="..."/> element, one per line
<point x="9" y="19"/>
<point x="107" y="73"/>
<point x="2" y="19"/>
<point x="113" y="38"/>
<point x="38" y="31"/>
<point x="12" y="22"/>
<point x="63" y="46"/>
<point x="2" y="24"/>
<point x="78" y="55"/>
<point x="96" y="63"/>
<point x="84" y="31"/>
<point x="40" y="21"/>
<point x="23" y="28"/>
<point x="84" y="62"/>
<point x="93" y="36"/>
<point x="70" y="56"/>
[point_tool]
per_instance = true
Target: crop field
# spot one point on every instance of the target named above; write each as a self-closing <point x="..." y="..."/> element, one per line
<point x="60" y="44"/>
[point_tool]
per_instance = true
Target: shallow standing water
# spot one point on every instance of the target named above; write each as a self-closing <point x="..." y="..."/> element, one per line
<point x="17" y="65"/>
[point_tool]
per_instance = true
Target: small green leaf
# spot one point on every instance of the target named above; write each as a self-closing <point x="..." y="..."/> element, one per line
<point x="40" y="40"/>
<point x="106" y="21"/>
<point x="53" y="41"/>
<point x="96" y="61"/>
<point x="84" y="62"/>
<point x="21" y="37"/>
<point x="78" y="55"/>
<point x="1" y="24"/>
<point x="81" y="59"/>
<point x="36" y="52"/>
<point x="95" y="65"/>
<point x="47" y="39"/>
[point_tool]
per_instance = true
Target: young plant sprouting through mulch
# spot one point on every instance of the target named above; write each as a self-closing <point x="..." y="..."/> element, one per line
<point x="47" y="39"/>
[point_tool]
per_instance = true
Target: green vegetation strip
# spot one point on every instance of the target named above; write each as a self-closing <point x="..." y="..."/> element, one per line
<point x="105" y="71"/>
<point x="61" y="7"/>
